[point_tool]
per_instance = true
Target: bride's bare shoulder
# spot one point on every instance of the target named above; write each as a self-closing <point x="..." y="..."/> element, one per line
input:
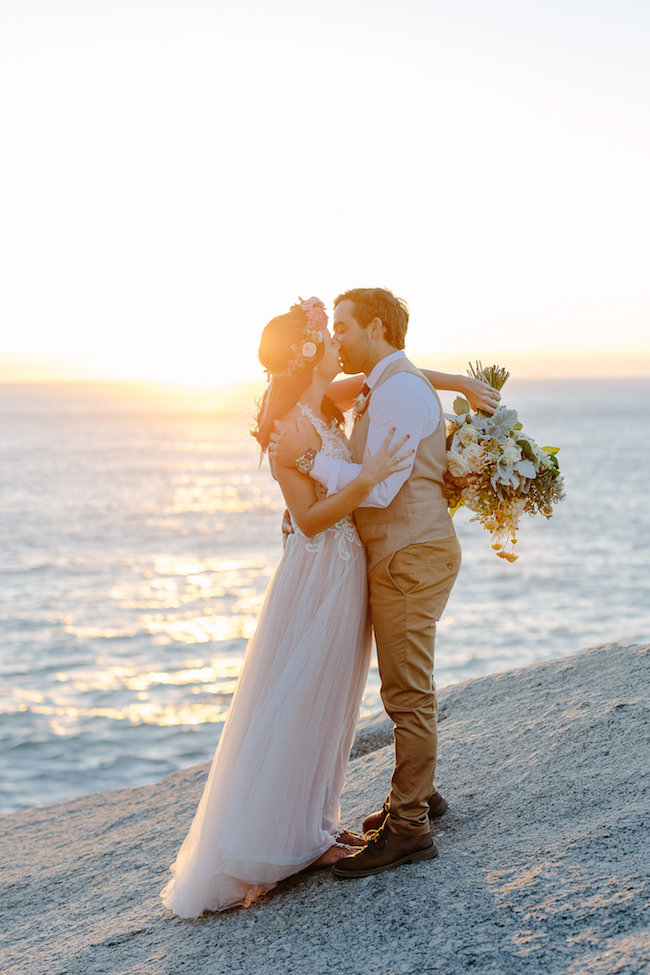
<point x="294" y="415"/>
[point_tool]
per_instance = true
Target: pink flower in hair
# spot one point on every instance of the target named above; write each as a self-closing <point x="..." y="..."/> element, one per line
<point x="313" y="337"/>
<point x="315" y="313"/>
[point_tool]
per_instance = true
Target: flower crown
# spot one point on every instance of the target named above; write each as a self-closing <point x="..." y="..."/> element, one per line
<point x="306" y="349"/>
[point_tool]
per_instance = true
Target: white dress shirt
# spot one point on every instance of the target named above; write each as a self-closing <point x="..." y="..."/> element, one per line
<point x="403" y="402"/>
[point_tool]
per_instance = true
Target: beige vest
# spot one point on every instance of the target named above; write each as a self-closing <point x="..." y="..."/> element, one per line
<point x="419" y="512"/>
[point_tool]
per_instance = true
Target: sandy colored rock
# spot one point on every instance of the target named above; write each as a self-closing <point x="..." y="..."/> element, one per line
<point x="543" y="865"/>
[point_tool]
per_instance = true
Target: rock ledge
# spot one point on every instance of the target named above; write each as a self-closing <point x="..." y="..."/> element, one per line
<point x="543" y="862"/>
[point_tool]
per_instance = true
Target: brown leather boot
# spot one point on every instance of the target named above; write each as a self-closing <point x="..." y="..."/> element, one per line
<point x="384" y="851"/>
<point x="375" y="820"/>
<point x="437" y="806"/>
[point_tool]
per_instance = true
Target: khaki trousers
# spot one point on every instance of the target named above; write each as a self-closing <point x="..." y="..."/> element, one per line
<point x="408" y="593"/>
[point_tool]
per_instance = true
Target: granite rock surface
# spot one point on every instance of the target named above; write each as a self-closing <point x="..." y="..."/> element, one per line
<point x="544" y="856"/>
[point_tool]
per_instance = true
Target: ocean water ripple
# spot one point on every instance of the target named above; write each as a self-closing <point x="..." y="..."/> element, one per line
<point x="139" y="533"/>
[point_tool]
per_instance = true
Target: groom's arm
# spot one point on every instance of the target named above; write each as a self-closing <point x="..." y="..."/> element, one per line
<point x="400" y="403"/>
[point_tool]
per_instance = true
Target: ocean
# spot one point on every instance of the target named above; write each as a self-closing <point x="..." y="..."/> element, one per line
<point x="138" y="534"/>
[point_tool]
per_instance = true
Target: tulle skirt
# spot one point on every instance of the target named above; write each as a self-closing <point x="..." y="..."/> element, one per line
<point x="271" y="803"/>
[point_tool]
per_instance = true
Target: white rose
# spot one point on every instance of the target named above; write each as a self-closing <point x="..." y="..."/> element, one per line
<point x="468" y="434"/>
<point x="511" y="454"/>
<point x="473" y="456"/>
<point x="457" y="464"/>
<point x="308" y="350"/>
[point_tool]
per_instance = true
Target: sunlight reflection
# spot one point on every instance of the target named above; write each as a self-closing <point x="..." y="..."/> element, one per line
<point x="200" y="629"/>
<point x="101" y="632"/>
<point x="211" y="495"/>
<point x="205" y="689"/>
<point x="65" y="721"/>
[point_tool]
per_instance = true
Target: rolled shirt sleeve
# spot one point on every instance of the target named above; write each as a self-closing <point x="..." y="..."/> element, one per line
<point x="326" y="471"/>
<point x="405" y="402"/>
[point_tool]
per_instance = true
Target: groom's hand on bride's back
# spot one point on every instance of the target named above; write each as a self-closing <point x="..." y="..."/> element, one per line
<point x="290" y="439"/>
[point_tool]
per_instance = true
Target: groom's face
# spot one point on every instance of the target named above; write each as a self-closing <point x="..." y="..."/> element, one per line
<point x="353" y="338"/>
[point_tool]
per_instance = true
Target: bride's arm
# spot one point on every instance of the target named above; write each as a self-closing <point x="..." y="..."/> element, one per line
<point x="343" y="392"/>
<point x="479" y="395"/>
<point x="313" y="515"/>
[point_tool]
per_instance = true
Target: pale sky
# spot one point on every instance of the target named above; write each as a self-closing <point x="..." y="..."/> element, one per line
<point x="174" y="174"/>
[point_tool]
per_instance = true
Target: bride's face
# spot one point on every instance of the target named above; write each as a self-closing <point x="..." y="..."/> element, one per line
<point x="329" y="365"/>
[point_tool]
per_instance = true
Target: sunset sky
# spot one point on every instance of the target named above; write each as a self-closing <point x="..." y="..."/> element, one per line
<point x="176" y="173"/>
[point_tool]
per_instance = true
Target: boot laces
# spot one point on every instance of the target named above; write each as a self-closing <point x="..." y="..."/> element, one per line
<point x="377" y="838"/>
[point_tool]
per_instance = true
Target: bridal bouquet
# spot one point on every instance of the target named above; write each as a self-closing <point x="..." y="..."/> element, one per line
<point x="496" y="469"/>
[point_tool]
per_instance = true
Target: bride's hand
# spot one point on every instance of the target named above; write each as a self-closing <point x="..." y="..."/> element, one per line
<point x="480" y="396"/>
<point x="388" y="460"/>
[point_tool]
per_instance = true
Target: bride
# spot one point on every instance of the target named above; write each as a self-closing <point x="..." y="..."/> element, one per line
<point x="270" y="807"/>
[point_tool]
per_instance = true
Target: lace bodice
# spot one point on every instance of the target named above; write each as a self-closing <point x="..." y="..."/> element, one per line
<point x="334" y="444"/>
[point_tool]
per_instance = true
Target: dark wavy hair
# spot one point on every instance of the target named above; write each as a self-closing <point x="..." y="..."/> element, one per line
<point x="283" y="392"/>
<point x="381" y="303"/>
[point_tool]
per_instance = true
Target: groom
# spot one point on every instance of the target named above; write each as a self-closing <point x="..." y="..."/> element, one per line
<point x="413" y="560"/>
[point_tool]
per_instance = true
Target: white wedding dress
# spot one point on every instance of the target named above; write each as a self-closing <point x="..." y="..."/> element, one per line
<point x="271" y="803"/>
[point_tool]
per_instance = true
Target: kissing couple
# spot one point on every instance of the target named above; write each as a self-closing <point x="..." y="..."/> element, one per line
<point x="369" y="545"/>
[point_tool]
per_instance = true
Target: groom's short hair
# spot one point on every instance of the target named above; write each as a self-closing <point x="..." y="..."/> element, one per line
<point x="381" y="303"/>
